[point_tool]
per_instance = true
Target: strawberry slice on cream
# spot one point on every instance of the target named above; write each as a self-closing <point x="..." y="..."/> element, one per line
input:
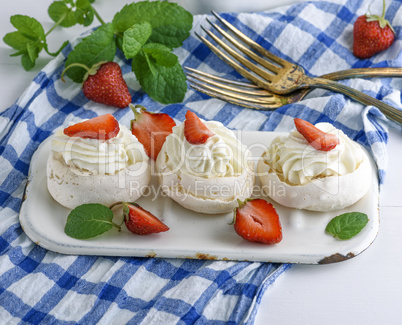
<point x="96" y="169"/>
<point x="207" y="176"/>
<point x="297" y="174"/>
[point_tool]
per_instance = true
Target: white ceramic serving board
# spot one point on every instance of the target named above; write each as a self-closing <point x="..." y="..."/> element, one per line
<point x="195" y="235"/>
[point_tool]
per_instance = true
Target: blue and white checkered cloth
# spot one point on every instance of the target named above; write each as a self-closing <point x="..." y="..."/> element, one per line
<point x="39" y="286"/>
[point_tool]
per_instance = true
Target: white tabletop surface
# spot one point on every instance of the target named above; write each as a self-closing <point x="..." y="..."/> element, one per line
<point x="364" y="290"/>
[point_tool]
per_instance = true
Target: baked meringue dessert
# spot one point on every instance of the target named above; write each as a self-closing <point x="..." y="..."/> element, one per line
<point x="207" y="175"/>
<point x="105" y="169"/>
<point x="295" y="172"/>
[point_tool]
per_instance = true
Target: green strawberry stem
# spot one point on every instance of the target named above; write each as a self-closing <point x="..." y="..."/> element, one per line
<point x="115" y="205"/>
<point x="90" y="71"/>
<point x="116" y="225"/>
<point x="125" y="211"/>
<point x="137" y="114"/>
<point x="381" y="20"/>
<point x="80" y="65"/>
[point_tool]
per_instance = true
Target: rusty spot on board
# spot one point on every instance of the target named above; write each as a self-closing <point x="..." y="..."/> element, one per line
<point x="151" y="254"/>
<point x="202" y="256"/>
<point x="335" y="258"/>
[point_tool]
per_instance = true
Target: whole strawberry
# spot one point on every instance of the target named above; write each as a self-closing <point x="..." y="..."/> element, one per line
<point x="104" y="83"/>
<point x="371" y="35"/>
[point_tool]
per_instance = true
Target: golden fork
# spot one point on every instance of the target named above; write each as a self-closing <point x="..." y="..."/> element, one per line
<point x="278" y="75"/>
<point x="250" y="95"/>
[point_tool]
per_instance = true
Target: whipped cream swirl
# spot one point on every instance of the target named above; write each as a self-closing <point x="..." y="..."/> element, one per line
<point x="222" y="155"/>
<point x="297" y="163"/>
<point x="98" y="157"/>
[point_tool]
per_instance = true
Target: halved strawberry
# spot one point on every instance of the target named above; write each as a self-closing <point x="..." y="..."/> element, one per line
<point x="102" y="127"/>
<point x="140" y="221"/>
<point x="151" y="129"/>
<point x="315" y="137"/>
<point x="195" y="131"/>
<point x="257" y="221"/>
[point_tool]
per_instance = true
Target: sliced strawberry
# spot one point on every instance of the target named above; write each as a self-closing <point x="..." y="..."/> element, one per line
<point x="140" y="221"/>
<point x="151" y="129"/>
<point x="102" y="127"/>
<point x="257" y="221"/>
<point x="195" y="131"/>
<point x="315" y="137"/>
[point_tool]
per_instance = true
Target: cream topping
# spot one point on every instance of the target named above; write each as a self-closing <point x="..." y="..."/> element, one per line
<point x="297" y="163"/>
<point x="98" y="157"/>
<point x="222" y="155"/>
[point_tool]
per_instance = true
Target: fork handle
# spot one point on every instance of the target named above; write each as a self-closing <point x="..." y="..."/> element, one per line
<point x="389" y="111"/>
<point x="364" y="73"/>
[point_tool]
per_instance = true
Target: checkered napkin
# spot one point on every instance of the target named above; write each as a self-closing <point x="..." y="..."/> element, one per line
<point x="40" y="286"/>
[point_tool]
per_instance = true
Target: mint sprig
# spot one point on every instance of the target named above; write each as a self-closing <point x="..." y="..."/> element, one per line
<point x="89" y="220"/>
<point x="29" y="39"/>
<point x="146" y="32"/>
<point x="347" y="225"/>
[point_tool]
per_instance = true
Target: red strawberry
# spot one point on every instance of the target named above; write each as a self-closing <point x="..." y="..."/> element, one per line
<point x="140" y="221"/>
<point x="102" y="127"/>
<point x="104" y="83"/>
<point x="372" y="34"/>
<point x="315" y="137"/>
<point x="257" y="221"/>
<point x="107" y="86"/>
<point x="151" y="129"/>
<point x="195" y="131"/>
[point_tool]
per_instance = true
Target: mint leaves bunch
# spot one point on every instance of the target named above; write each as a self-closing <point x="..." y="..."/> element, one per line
<point x="146" y="33"/>
<point x="29" y="39"/>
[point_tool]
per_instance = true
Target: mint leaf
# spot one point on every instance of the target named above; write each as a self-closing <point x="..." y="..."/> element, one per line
<point x="171" y="24"/>
<point x="28" y="40"/>
<point x="84" y="12"/>
<point x="347" y="225"/>
<point x="161" y="54"/>
<point x="135" y="37"/>
<point x="33" y="51"/>
<point x="29" y="27"/>
<point x="69" y="15"/>
<point x="164" y="83"/>
<point x="99" y="46"/>
<point x="88" y="221"/>
<point x="16" y="40"/>
<point x="26" y="62"/>
<point x="62" y="14"/>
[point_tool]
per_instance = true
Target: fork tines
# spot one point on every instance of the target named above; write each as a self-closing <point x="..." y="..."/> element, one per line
<point x="236" y="92"/>
<point x="265" y="69"/>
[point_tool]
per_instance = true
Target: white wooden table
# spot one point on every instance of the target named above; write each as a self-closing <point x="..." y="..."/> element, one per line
<point x="364" y="290"/>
